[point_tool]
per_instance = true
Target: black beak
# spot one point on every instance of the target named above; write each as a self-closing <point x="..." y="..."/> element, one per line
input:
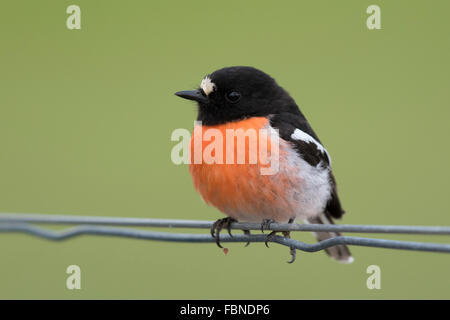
<point x="196" y="95"/>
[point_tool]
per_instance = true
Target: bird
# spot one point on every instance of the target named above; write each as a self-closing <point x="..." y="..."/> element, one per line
<point x="303" y="188"/>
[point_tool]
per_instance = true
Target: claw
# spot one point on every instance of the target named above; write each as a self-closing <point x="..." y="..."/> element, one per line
<point x="218" y="226"/>
<point x="229" y="226"/>
<point x="269" y="238"/>
<point x="213" y="228"/>
<point x="247" y="233"/>
<point x="266" y="224"/>
<point x="217" y="237"/>
<point x="293" y="253"/>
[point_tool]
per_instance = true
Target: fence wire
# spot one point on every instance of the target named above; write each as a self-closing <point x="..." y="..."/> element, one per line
<point x="120" y="227"/>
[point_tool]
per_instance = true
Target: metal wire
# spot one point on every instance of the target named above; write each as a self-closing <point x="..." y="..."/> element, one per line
<point x="171" y="223"/>
<point x="107" y="226"/>
<point x="206" y="238"/>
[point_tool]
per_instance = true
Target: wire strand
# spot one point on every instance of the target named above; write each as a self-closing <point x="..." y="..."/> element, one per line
<point x="205" y="238"/>
<point x="101" y="226"/>
<point x="199" y="224"/>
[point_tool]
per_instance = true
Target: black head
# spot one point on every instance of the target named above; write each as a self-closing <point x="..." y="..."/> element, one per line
<point x="236" y="93"/>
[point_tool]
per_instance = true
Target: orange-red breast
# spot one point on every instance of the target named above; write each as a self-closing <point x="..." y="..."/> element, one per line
<point x="246" y="100"/>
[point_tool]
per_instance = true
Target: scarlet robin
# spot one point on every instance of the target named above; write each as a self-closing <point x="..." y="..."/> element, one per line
<point x="304" y="186"/>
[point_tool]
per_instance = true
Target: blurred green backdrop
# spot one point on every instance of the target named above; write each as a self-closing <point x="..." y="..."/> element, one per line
<point x="86" y="117"/>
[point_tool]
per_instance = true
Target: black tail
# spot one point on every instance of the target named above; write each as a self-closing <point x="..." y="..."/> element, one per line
<point x="340" y="253"/>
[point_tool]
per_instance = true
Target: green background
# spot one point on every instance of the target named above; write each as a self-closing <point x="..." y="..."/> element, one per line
<point x="86" y="117"/>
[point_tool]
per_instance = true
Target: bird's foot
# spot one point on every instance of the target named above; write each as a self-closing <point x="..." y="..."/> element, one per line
<point x="265" y="224"/>
<point x="292" y="251"/>
<point x="218" y="226"/>
<point x="286" y="234"/>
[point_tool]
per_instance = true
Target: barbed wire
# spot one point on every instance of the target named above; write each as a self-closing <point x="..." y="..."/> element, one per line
<point x="108" y="226"/>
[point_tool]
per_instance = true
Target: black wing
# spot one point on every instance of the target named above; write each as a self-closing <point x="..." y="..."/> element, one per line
<point x="286" y="123"/>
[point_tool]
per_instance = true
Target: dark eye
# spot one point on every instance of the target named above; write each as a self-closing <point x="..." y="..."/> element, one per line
<point x="233" y="96"/>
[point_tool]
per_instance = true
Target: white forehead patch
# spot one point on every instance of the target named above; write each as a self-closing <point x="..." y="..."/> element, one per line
<point x="207" y="85"/>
